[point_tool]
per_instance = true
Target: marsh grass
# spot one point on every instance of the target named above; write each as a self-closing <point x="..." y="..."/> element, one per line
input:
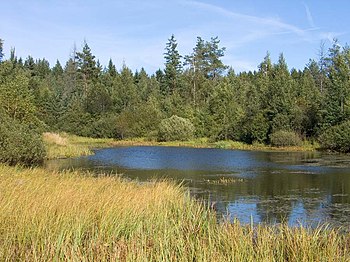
<point x="63" y="145"/>
<point x="229" y="144"/>
<point x="77" y="217"/>
<point x="224" y="144"/>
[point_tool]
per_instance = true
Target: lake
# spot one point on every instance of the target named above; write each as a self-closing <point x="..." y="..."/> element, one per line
<point x="307" y="188"/>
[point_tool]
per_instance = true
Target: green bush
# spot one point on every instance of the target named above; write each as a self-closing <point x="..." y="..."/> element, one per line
<point x="285" y="138"/>
<point x="20" y="144"/>
<point x="336" y="138"/>
<point x="104" y="127"/>
<point x="175" y="128"/>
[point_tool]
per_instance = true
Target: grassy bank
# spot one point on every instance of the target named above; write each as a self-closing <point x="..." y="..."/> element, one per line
<point x="64" y="145"/>
<point x="227" y="144"/>
<point x="76" y="217"/>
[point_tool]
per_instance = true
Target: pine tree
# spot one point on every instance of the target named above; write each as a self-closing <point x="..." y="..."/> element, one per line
<point x="337" y="97"/>
<point x="173" y="65"/>
<point x="204" y="64"/>
<point x="215" y="66"/>
<point x="57" y="70"/>
<point x="88" y="70"/>
<point x="112" y="71"/>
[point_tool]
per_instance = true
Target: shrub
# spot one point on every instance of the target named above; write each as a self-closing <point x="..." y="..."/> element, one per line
<point x="175" y="128"/>
<point x="104" y="127"/>
<point x="20" y="144"/>
<point x="336" y="138"/>
<point x="285" y="138"/>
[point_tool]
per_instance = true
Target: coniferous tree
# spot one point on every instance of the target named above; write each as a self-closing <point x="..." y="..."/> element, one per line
<point x="87" y="69"/>
<point x="112" y="71"/>
<point x="173" y="66"/>
<point x="337" y="96"/>
<point x="57" y="70"/>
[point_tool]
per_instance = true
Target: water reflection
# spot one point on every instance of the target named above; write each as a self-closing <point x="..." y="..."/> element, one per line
<point x="269" y="187"/>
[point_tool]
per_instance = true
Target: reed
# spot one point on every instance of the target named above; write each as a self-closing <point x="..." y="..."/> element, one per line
<point x="71" y="216"/>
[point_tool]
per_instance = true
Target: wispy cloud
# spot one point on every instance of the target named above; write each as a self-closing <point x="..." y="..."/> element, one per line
<point x="267" y="25"/>
<point x="266" y="21"/>
<point x="309" y="15"/>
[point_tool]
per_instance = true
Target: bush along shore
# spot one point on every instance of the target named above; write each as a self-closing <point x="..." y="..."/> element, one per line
<point x="72" y="216"/>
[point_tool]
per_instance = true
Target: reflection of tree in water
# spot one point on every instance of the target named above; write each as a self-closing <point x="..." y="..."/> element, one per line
<point x="287" y="157"/>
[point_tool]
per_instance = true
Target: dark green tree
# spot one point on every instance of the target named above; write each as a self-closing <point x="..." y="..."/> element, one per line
<point x="57" y="70"/>
<point x="337" y="95"/>
<point x="112" y="71"/>
<point x="87" y="69"/>
<point x="173" y="66"/>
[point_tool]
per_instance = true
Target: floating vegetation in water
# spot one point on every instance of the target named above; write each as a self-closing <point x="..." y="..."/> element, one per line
<point x="225" y="181"/>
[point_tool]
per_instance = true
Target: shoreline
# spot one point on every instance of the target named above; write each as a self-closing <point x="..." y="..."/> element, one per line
<point x="227" y="144"/>
<point x="64" y="145"/>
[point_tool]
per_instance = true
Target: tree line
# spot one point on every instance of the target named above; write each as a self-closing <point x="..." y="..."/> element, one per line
<point x="195" y="93"/>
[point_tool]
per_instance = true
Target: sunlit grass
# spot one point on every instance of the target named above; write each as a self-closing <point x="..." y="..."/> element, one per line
<point x="50" y="216"/>
<point x="223" y="144"/>
<point x="64" y="145"/>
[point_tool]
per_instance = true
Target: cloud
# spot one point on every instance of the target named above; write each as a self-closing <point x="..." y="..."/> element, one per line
<point x="253" y="28"/>
<point x="271" y="22"/>
<point x="309" y="15"/>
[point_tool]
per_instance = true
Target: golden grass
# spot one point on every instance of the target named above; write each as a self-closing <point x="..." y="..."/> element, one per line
<point x="64" y="145"/>
<point x="77" y="217"/>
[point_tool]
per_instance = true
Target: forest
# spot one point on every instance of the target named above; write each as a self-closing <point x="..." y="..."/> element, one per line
<point x="196" y="95"/>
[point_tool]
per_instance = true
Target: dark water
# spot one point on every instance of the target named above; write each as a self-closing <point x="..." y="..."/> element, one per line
<point x="266" y="187"/>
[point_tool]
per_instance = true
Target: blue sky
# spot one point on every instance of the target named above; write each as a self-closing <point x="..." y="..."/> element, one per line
<point x="136" y="31"/>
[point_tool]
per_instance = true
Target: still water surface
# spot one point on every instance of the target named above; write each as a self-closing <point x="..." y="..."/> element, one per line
<point x="307" y="188"/>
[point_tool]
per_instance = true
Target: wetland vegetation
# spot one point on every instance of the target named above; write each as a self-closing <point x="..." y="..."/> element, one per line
<point x="75" y="216"/>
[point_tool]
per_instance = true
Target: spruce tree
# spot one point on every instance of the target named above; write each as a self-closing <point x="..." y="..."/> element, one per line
<point x="173" y="65"/>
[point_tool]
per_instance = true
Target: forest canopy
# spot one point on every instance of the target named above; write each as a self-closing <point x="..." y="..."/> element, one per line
<point x="271" y="104"/>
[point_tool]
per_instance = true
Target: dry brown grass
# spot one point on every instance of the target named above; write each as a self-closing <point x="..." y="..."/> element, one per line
<point x="54" y="138"/>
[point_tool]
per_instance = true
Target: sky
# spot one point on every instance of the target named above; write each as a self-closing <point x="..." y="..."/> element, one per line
<point x="135" y="32"/>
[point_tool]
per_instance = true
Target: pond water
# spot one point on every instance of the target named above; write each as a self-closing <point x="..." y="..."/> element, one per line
<point x="307" y="188"/>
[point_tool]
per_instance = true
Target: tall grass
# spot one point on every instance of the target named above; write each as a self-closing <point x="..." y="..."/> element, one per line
<point x="78" y="217"/>
<point x="64" y="145"/>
